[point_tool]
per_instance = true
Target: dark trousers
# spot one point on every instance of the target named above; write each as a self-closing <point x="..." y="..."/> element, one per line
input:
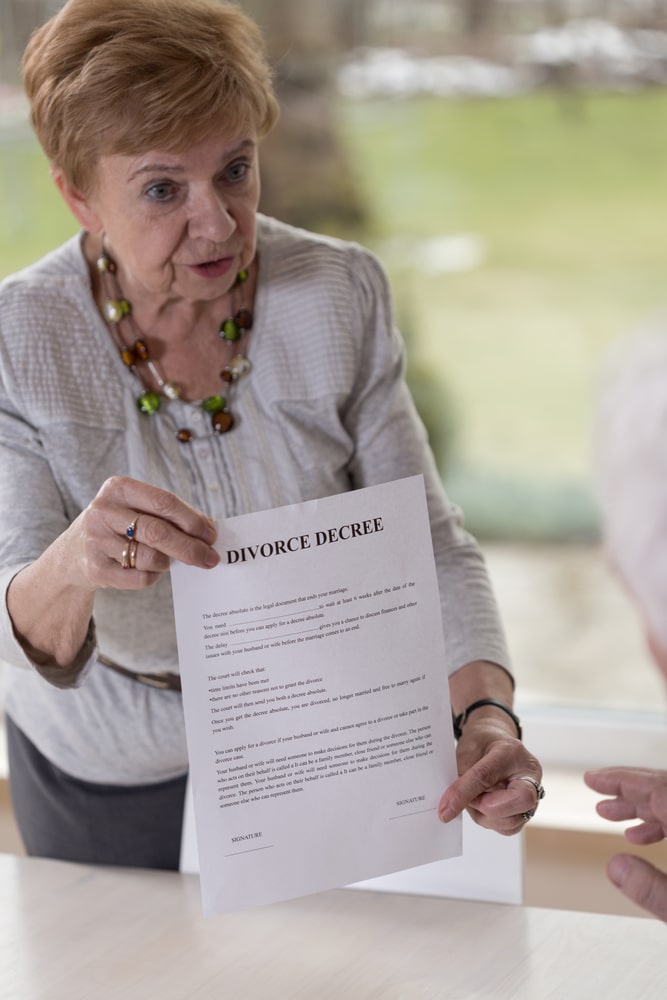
<point x="59" y="816"/>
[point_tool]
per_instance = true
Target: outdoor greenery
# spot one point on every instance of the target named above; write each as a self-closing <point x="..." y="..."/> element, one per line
<point x="564" y="195"/>
<point x="561" y="196"/>
<point x="34" y="218"/>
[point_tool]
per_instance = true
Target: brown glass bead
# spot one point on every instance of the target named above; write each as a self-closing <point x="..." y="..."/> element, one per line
<point x="128" y="356"/>
<point x="222" y="422"/>
<point x="226" y="375"/>
<point x="141" y="349"/>
<point x="244" y="319"/>
<point x="184" y="435"/>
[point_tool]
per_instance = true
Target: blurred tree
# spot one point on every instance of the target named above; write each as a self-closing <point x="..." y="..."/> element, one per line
<point x="556" y="11"/>
<point x="18" y="19"/>
<point x="479" y="16"/>
<point x="480" y="26"/>
<point x="306" y="176"/>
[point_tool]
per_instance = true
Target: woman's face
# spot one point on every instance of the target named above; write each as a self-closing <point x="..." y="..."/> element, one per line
<point x="178" y="225"/>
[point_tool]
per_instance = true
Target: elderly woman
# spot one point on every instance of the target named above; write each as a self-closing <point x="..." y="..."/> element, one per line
<point x="180" y="360"/>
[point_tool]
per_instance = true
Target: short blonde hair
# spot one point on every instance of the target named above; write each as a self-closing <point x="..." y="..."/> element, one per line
<point x="126" y="76"/>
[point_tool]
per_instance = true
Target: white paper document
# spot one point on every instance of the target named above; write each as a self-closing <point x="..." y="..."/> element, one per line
<point x="316" y="699"/>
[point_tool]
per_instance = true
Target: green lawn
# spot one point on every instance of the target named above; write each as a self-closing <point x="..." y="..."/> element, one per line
<point x="34" y="218"/>
<point x="566" y="199"/>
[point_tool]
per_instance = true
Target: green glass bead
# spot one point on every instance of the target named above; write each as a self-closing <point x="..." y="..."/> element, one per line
<point x="125" y="307"/>
<point x="229" y="329"/>
<point x="242" y="276"/>
<point x="214" y="404"/>
<point x="149" y="402"/>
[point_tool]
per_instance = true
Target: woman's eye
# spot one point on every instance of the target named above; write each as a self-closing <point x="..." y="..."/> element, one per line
<point x="238" y="171"/>
<point x="160" y="192"/>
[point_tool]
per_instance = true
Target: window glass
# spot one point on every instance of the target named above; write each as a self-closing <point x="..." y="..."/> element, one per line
<point x="513" y="175"/>
<point x="522" y="238"/>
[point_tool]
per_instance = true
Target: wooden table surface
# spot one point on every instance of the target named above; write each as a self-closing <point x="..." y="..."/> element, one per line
<point x="73" y="932"/>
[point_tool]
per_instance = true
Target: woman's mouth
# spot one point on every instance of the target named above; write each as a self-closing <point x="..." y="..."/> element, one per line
<point x="212" y="268"/>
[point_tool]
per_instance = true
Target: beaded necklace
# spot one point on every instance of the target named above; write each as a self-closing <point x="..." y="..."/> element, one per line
<point x="234" y="330"/>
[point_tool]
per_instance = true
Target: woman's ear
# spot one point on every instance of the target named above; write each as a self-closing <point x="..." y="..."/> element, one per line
<point x="78" y="203"/>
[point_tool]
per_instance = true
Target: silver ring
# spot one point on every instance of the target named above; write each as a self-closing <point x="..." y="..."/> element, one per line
<point x="539" y="788"/>
<point x="539" y="791"/>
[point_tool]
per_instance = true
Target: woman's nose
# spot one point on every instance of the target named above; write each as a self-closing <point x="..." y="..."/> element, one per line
<point x="210" y="217"/>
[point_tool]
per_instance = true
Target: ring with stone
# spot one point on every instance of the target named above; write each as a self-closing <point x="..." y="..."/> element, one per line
<point x="131" y="529"/>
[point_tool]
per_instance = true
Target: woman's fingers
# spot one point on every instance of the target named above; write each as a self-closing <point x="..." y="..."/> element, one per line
<point x="175" y="542"/>
<point x="130" y="532"/>
<point x="127" y="498"/>
<point x="499" y="790"/>
<point x="128" y="510"/>
<point x="641" y="882"/>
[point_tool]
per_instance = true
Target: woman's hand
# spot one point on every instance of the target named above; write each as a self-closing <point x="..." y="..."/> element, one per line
<point x="125" y="538"/>
<point x="163" y="527"/>
<point x="499" y="780"/>
<point x="493" y="766"/>
<point x="637" y="793"/>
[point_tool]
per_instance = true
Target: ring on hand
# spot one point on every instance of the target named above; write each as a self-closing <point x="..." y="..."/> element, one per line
<point x="132" y="555"/>
<point x="131" y="530"/>
<point x="125" y="558"/>
<point x="539" y="791"/>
